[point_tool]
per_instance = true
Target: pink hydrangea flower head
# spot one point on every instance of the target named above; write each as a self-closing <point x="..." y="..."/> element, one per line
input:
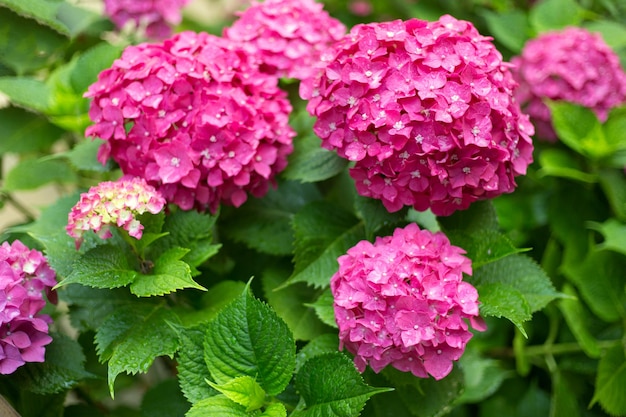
<point x="402" y="301"/>
<point x="572" y="65"/>
<point x="156" y="16"/>
<point x="194" y="117"/>
<point x="113" y="203"/>
<point x="24" y="277"/>
<point x="287" y="36"/>
<point x="426" y="112"/>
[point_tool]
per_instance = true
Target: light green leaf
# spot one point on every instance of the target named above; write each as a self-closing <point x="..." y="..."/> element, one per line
<point x="324" y="309"/>
<point x="555" y="14"/>
<point x="104" y="266"/>
<point x="331" y="386"/>
<point x="326" y="343"/>
<point x="274" y="410"/>
<point x="482" y="377"/>
<point x="511" y="27"/>
<point x="614" y="233"/>
<point x="192" y="370"/>
<point x="169" y="274"/>
<point x="26" y="92"/>
<point x="483" y="246"/>
<point x="577" y="320"/>
<point x="243" y="390"/>
<point x="248" y="338"/>
<point x="30" y="174"/>
<point x="611" y="381"/>
<point x="264" y="223"/>
<point x="613" y="33"/>
<point x="322" y="233"/>
<point x="219" y="405"/>
<point x="559" y="163"/>
<point x="613" y="183"/>
<point x="23" y="131"/>
<point x="130" y="339"/>
<point x="501" y="300"/>
<point x="90" y="63"/>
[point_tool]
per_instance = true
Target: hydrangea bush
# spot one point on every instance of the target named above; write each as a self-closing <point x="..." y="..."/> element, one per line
<point x="312" y="209"/>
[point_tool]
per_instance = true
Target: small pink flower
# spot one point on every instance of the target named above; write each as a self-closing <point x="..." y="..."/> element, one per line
<point x="402" y="301"/>
<point x="426" y="112"/>
<point x="156" y="16"/>
<point x="572" y="65"/>
<point x="195" y="117"/>
<point x="113" y="203"/>
<point x="24" y="277"/>
<point x="288" y="37"/>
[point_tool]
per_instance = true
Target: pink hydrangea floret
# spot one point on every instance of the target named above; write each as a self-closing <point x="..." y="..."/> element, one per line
<point x="402" y="301"/>
<point x="288" y="36"/>
<point x="113" y="203"/>
<point x="194" y="117"/>
<point x="572" y="65"/>
<point x="426" y="112"/>
<point x="156" y="16"/>
<point x="24" y="276"/>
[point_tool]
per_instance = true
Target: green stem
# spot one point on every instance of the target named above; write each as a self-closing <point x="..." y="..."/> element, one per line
<point x="552" y="349"/>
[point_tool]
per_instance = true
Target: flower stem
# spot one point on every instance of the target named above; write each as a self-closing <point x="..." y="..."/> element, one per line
<point x="553" y="349"/>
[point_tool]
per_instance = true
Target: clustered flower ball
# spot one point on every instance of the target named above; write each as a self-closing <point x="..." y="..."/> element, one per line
<point x="113" y="203"/>
<point x="156" y="16"/>
<point x="426" y="112"/>
<point x="402" y="301"/>
<point x="288" y="36"/>
<point x="572" y="65"/>
<point x="24" y="276"/>
<point x="195" y="118"/>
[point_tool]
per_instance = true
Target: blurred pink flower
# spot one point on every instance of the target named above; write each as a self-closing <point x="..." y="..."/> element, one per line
<point x="194" y="117"/>
<point x="114" y="203"/>
<point x="572" y="65"/>
<point x="402" y="301"/>
<point x="426" y="112"/>
<point x="157" y="16"/>
<point x="24" y="276"/>
<point x="286" y="36"/>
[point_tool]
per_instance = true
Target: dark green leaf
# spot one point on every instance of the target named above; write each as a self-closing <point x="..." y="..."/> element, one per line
<point x="324" y="309"/>
<point x="331" y="386"/>
<point x="265" y="224"/>
<point x="169" y="274"/>
<point x="613" y="182"/>
<point x="212" y="302"/>
<point x="559" y="163"/>
<point x="130" y="339"/>
<point x="501" y="300"/>
<point x="104" y="266"/>
<point x="322" y="233"/>
<point x="564" y="399"/>
<point x="611" y="381"/>
<point x="248" y="338"/>
<point x="482" y="376"/>
<point x="511" y="28"/>
<point x="577" y="320"/>
<point x="290" y="304"/>
<point x="483" y="246"/>
<point x="481" y="215"/>
<point x="555" y="14"/>
<point x="30" y="174"/>
<point x="310" y="162"/>
<point x="326" y="343"/>
<point x="164" y="400"/>
<point x="23" y="132"/>
<point x="192" y="370"/>
<point x="375" y="216"/>
<point x="26" y="92"/>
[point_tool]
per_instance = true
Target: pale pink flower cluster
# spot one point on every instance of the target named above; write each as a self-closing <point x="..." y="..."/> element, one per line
<point x="287" y="36"/>
<point x="402" y="301"/>
<point x="425" y="111"/>
<point x="24" y="276"/>
<point x="194" y="117"/>
<point x="156" y="16"/>
<point x="572" y="65"/>
<point x="113" y="203"/>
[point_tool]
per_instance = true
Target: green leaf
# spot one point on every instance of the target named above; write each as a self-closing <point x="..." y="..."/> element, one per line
<point x="30" y="174"/>
<point x="248" y="338"/>
<point x="324" y="309"/>
<point x="482" y="377"/>
<point x="331" y="386"/>
<point x="520" y="273"/>
<point x="322" y="233"/>
<point x="64" y="367"/>
<point x="274" y="410"/>
<point x="192" y="370"/>
<point x="164" y="400"/>
<point x="243" y="390"/>
<point x="130" y="339"/>
<point x="309" y="162"/>
<point x="604" y="294"/>
<point x="26" y="92"/>
<point x="613" y="33"/>
<point x="25" y="45"/>
<point x="577" y="319"/>
<point x="559" y="163"/>
<point x="564" y="397"/>
<point x="219" y="405"/>
<point x="290" y="304"/>
<point x="212" y="302"/>
<point x="375" y="216"/>
<point x="264" y="223"/>
<point x="555" y="14"/>
<point x="615" y="129"/>
<point x="90" y="63"/>
<point x="613" y="183"/>
<point x="511" y="27"/>
<point x="23" y="132"/>
<point x="614" y="233"/>
<point x="105" y="266"/>
<point x="326" y="343"/>
<point x="83" y="156"/>
<point x="483" y="246"/>
<point x="169" y="274"/>
<point x="611" y="381"/>
<point x="480" y="216"/>
<point x="425" y="219"/>
<point x="501" y="300"/>
<point x="67" y="107"/>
